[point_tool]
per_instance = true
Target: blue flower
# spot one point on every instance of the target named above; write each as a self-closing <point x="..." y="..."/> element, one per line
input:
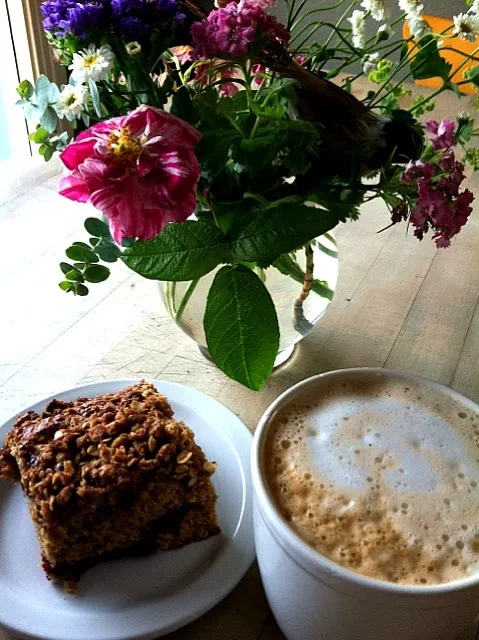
<point x="73" y="17"/>
<point x="136" y="20"/>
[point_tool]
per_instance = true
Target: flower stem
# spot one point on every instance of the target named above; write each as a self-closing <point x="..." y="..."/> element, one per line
<point x="300" y="323"/>
<point x="297" y="21"/>
<point x="185" y="299"/>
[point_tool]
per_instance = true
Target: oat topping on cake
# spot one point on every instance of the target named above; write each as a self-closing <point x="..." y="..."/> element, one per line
<point x="110" y="475"/>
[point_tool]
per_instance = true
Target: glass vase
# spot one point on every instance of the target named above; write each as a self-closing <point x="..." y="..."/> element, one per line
<point x="301" y="285"/>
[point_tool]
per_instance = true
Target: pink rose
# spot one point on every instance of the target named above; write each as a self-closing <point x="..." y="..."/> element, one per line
<point x="139" y="170"/>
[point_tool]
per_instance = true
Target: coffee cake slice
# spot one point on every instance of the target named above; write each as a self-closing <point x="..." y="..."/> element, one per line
<point x="110" y="476"/>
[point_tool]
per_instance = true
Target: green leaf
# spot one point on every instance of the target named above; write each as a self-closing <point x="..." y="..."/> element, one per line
<point x="80" y="290"/>
<point x="65" y="267"/>
<point x="25" y="89"/>
<point x="241" y="326"/>
<point x="65" y="285"/>
<point x="74" y="275"/>
<point x="214" y="148"/>
<point x="42" y="94"/>
<point x="53" y="93"/>
<point x="183" y="251"/>
<point x="81" y="254"/>
<point x="97" y="228"/>
<point x="95" y="97"/>
<point x="39" y="135"/>
<point x="81" y="244"/>
<point x="182" y="106"/>
<point x="32" y="111"/>
<point x="108" y="252"/>
<point x="428" y="63"/>
<point x="96" y="273"/>
<point x="464" y="132"/>
<point x="473" y="75"/>
<point x="281" y="229"/>
<point x="49" y="151"/>
<point x="49" y="120"/>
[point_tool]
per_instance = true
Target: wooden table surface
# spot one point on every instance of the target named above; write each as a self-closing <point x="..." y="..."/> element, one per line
<point x="399" y="304"/>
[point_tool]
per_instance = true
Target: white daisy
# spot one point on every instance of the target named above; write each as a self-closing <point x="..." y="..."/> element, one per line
<point x="413" y="8"/>
<point x="474" y="8"/>
<point x="376" y="8"/>
<point x="418" y="27"/>
<point x="370" y="62"/>
<point x="92" y="63"/>
<point x="358" y="25"/>
<point x="466" y="26"/>
<point x="71" y="101"/>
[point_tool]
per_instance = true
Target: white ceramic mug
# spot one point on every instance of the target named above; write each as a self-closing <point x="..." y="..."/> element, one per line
<point x="313" y="598"/>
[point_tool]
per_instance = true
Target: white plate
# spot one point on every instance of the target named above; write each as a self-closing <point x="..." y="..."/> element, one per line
<point x="135" y="597"/>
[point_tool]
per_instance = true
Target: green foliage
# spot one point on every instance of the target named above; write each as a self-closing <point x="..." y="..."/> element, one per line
<point x="472" y="74"/>
<point x="95" y="97"/>
<point x="428" y="62"/>
<point x="85" y="257"/>
<point x="181" y="252"/>
<point x="382" y="71"/>
<point x="241" y="326"/>
<point x="25" y="90"/>
<point x="472" y="158"/>
<point x="280" y="229"/>
<point x="419" y="108"/>
<point x="464" y="130"/>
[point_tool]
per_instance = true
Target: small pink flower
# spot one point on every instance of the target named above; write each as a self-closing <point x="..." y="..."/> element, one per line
<point x="417" y="169"/>
<point x="443" y="133"/>
<point x="183" y="53"/>
<point x="231" y="30"/>
<point x="207" y="73"/>
<point x="139" y="170"/>
<point x="258" y="69"/>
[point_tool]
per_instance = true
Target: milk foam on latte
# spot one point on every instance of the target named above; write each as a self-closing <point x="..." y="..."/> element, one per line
<point x="381" y="476"/>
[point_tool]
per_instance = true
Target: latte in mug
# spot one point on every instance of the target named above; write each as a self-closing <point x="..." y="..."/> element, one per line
<point x="381" y="478"/>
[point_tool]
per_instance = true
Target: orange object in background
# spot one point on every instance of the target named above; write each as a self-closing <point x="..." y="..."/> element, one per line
<point x="438" y="25"/>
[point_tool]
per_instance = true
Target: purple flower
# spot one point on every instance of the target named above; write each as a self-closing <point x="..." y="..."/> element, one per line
<point x="440" y="204"/>
<point x="73" y="17"/>
<point x="136" y="20"/>
<point x="232" y="29"/>
<point x="443" y="133"/>
<point x="417" y="169"/>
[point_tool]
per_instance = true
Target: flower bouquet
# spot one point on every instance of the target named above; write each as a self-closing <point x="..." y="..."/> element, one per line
<point x="224" y="143"/>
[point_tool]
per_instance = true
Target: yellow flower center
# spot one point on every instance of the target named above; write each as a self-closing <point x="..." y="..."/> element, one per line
<point x="124" y="148"/>
<point x="90" y="61"/>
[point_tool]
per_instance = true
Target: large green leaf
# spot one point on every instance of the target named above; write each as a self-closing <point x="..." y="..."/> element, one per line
<point x="428" y="63"/>
<point x="281" y="229"/>
<point x="241" y="326"/>
<point x="183" y="251"/>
